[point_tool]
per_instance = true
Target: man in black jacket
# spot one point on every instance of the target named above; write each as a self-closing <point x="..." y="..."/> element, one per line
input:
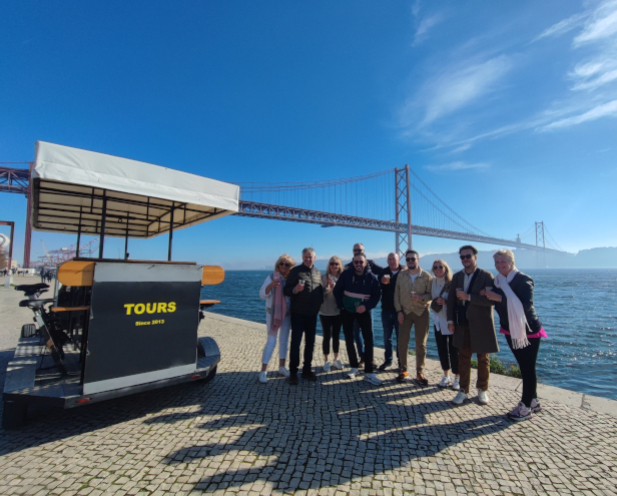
<point x="371" y="266"/>
<point x="357" y="293"/>
<point x="305" y="290"/>
<point x="389" y="315"/>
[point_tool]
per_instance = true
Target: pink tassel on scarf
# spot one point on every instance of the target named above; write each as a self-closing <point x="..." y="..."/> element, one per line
<point x="279" y="304"/>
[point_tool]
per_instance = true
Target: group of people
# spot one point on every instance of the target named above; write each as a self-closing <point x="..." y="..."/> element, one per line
<point x="461" y="305"/>
<point x="46" y="274"/>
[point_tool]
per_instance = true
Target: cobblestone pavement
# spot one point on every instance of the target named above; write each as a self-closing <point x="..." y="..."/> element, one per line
<point x="336" y="436"/>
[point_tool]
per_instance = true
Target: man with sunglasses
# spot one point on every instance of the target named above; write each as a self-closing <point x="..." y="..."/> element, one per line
<point x="412" y="297"/>
<point x="371" y="266"/>
<point x="357" y="293"/>
<point x="305" y="291"/>
<point x="470" y="318"/>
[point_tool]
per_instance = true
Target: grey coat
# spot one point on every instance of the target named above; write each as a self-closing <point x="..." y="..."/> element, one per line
<point x="479" y="314"/>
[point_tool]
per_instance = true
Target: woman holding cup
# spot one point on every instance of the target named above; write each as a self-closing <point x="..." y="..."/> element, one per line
<point x="330" y="315"/>
<point x="278" y="320"/>
<point x="513" y="297"/>
<point x="448" y="354"/>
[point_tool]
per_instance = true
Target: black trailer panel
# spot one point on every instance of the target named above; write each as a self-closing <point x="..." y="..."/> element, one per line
<point x="25" y="385"/>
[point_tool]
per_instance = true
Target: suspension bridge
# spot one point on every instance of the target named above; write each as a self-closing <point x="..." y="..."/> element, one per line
<point x="395" y="200"/>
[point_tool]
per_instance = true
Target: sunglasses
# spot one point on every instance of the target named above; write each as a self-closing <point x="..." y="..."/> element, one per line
<point x="411" y="259"/>
<point x="357" y="250"/>
<point x="435" y="267"/>
<point x="334" y="264"/>
<point x="284" y="264"/>
<point x="358" y="262"/>
<point x="466" y="257"/>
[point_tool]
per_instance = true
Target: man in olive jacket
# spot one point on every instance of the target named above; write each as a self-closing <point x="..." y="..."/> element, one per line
<point x="412" y="297"/>
<point x="470" y="318"/>
<point x="305" y="290"/>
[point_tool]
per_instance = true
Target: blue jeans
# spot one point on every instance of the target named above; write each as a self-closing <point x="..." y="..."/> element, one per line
<point x="357" y="337"/>
<point x="389" y="322"/>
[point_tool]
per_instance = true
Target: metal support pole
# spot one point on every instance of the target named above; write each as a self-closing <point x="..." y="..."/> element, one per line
<point x="78" y="235"/>
<point x="171" y="230"/>
<point x="28" y="236"/>
<point x="126" y="239"/>
<point x="102" y="238"/>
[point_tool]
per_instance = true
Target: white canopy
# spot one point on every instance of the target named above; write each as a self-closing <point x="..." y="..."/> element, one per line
<point x="73" y="189"/>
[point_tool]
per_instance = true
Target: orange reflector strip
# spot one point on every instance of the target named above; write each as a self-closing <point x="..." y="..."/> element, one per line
<point x="195" y="377"/>
<point x="83" y="400"/>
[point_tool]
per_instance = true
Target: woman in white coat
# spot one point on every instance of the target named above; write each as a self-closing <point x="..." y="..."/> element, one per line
<point x="278" y="320"/>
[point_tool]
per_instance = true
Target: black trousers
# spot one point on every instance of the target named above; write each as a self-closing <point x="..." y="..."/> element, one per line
<point x="527" y="358"/>
<point x="365" y="322"/>
<point x="302" y="324"/>
<point x="448" y="354"/>
<point x="331" y="326"/>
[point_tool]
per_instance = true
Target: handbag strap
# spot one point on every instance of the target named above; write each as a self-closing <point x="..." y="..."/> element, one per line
<point x="443" y="290"/>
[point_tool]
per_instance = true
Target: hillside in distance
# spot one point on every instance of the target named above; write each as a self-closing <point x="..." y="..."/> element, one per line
<point x="605" y="257"/>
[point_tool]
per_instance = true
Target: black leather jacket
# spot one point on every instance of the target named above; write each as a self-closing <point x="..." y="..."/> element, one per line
<point x="522" y="286"/>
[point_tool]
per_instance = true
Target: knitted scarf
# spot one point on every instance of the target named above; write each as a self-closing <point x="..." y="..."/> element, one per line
<point x="279" y="305"/>
<point x="516" y="312"/>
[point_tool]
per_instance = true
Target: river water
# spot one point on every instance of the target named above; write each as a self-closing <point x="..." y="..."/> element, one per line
<point x="578" y="308"/>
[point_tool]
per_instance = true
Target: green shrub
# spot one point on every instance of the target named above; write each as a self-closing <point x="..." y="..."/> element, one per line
<point x="514" y="371"/>
<point x="498" y="367"/>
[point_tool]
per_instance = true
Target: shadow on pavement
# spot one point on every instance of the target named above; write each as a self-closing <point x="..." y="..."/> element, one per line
<point x="330" y="432"/>
<point x="326" y="433"/>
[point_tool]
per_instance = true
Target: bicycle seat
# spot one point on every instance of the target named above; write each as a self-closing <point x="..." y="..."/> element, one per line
<point x="35" y="304"/>
<point x="32" y="289"/>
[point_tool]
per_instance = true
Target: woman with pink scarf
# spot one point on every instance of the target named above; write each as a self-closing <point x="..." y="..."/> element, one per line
<point x="513" y="295"/>
<point x="278" y="320"/>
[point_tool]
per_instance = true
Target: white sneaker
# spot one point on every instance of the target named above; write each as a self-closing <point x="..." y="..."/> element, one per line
<point x="445" y="381"/>
<point x="352" y="373"/>
<point x="483" y="397"/>
<point x="326" y="367"/>
<point x="337" y="364"/>
<point x="460" y="398"/>
<point x="520" y="412"/>
<point x="372" y="378"/>
<point x="456" y="385"/>
<point x="535" y="406"/>
<point x="283" y="371"/>
<point x="263" y="377"/>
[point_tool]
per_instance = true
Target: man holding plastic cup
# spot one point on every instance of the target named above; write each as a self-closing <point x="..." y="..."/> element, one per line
<point x="470" y="319"/>
<point x="389" y="316"/>
<point x="305" y="290"/>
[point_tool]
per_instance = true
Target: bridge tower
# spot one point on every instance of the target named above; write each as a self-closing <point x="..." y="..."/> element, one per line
<point x="403" y="208"/>
<point x="541" y="259"/>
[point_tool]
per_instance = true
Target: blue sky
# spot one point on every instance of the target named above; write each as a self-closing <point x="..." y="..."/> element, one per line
<point x="506" y="109"/>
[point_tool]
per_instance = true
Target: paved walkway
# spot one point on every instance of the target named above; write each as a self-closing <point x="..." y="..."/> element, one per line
<point x="336" y="436"/>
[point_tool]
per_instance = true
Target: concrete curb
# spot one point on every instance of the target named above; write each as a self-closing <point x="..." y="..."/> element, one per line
<point x="545" y="392"/>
